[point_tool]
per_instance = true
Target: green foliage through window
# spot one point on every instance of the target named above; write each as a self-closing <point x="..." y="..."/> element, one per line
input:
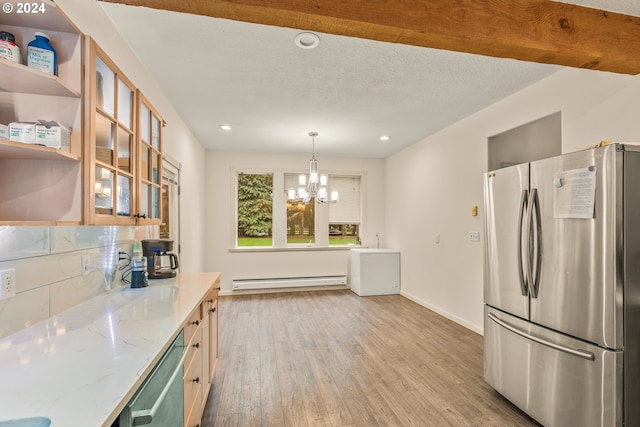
<point x="255" y="209"/>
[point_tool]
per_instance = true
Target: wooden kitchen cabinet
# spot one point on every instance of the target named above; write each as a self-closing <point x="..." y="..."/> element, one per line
<point x="111" y="174"/>
<point x="193" y="374"/>
<point x="211" y="308"/>
<point x="109" y="151"/>
<point x="149" y="135"/>
<point x="201" y="333"/>
<point x="123" y="152"/>
<point x="42" y="185"/>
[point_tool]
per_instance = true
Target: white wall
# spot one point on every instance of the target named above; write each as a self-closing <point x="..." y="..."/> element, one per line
<point x="220" y="217"/>
<point x="179" y="142"/>
<point x="440" y="178"/>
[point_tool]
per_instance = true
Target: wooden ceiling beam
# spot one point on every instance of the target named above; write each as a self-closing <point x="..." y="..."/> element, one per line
<point x="531" y="30"/>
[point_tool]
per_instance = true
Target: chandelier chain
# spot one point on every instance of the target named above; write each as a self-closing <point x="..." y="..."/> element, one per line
<point x="313" y="144"/>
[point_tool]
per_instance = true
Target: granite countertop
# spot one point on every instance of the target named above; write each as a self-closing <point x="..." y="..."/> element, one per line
<point x="81" y="367"/>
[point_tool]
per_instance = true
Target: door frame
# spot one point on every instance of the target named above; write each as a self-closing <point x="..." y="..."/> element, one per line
<point x="171" y="177"/>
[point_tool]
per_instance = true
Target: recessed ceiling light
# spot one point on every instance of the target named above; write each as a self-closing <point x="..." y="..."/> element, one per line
<point x="307" y="40"/>
<point x="225" y="127"/>
<point x="385" y="138"/>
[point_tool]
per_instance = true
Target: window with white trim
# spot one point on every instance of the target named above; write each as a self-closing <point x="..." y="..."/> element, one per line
<point x="266" y="217"/>
<point x="254" y="209"/>
<point x="301" y="218"/>
<point x="344" y="216"/>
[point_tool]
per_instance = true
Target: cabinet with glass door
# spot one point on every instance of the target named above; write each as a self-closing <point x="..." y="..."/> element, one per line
<point x="150" y="124"/>
<point x="109" y="149"/>
<point x="123" y="169"/>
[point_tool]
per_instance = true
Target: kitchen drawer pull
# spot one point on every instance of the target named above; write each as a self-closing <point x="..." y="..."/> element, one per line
<point x="197" y="322"/>
<point x="210" y="301"/>
<point x="197" y="380"/>
<point x="197" y="345"/>
<point x="213" y="310"/>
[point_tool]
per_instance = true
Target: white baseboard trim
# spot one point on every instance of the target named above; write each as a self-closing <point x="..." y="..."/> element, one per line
<point x="474" y="328"/>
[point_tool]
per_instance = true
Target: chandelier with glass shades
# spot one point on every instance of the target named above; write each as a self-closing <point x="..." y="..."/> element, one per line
<point x="312" y="186"/>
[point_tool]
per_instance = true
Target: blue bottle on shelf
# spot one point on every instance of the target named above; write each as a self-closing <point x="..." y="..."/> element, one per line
<point x="41" y="55"/>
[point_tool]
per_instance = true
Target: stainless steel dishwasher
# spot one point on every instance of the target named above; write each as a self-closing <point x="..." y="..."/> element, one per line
<point x="159" y="402"/>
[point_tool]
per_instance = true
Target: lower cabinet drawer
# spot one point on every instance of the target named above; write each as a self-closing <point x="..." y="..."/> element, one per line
<point x="194" y="348"/>
<point x="192" y="415"/>
<point x="194" y="379"/>
<point x="192" y="325"/>
<point x="192" y="389"/>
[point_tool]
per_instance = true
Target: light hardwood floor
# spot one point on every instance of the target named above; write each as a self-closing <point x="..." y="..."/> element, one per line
<point x="331" y="358"/>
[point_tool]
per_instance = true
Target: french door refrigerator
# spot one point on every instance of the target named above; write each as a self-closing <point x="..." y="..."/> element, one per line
<point x="562" y="287"/>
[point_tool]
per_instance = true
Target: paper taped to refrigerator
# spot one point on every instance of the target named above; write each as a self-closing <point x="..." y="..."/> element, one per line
<point x="574" y="193"/>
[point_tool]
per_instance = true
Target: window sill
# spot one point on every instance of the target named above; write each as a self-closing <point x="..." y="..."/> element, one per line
<point x="293" y="248"/>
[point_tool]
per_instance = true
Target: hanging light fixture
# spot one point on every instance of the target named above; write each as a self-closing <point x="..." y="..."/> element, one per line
<point x="313" y="186"/>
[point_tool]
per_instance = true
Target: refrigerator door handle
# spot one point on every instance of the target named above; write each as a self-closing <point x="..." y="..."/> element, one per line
<point x="528" y="269"/>
<point x="523" y="209"/>
<point x="536" y="261"/>
<point x="584" y="354"/>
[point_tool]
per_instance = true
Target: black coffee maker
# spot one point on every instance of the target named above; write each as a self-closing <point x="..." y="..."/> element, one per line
<point x="161" y="263"/>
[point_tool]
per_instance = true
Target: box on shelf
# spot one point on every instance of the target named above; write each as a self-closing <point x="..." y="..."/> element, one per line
<point x="53" y="134"/>
<point x="4" y="131"/>
<point x="22" y="132"/>
<point x="42" y="132"/>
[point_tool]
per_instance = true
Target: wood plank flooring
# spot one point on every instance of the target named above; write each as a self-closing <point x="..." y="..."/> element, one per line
<point x="332" y="358"/>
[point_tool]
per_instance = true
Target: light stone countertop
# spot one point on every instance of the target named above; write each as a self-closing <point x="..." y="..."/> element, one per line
<point x="81" y="367"/>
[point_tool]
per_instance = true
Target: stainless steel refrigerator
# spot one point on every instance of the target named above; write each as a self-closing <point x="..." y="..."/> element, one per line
<point x="562" y="287"/>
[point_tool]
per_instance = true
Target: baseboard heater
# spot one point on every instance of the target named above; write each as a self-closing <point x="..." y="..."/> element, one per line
<point x="288" y="282"/>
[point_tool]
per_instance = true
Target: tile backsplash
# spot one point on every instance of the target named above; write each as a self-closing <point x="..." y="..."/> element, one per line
<point x="49" y="276"/>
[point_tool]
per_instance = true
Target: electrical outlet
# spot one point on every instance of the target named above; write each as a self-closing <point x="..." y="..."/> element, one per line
<point x="474" y="236"/>
<point x="85" y="264"/>
<point x="7" y="283"/>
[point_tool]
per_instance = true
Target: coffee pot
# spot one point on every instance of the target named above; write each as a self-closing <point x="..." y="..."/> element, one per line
<point x="161" y="263"/>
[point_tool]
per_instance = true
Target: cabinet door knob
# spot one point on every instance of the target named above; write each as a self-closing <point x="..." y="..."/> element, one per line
<point x="213" y="310"/>
<point x="197" y="322"/>
<point x="210" y="301"/>
<point x="197" y="380"/>
<point x="197" y="345"/>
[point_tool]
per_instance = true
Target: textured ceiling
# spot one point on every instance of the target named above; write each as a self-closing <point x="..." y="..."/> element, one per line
<point x="627" y="7"/>
<point x="351" y="91"/>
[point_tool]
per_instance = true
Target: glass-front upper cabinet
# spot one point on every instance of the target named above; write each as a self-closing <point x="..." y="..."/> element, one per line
<point x="150" y="165"/>
<point x="110" y="117"/>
